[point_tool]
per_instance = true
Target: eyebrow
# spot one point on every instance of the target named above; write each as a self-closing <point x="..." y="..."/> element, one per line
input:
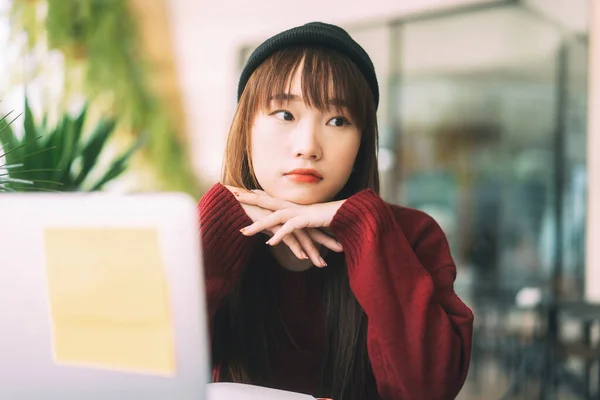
<point x="294" y="97"/>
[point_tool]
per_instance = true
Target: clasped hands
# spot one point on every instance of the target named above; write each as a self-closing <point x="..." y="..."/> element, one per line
<point x="300" y="227"/>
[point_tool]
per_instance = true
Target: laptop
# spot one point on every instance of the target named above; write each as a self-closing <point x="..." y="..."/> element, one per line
<point x="101" y="297"/>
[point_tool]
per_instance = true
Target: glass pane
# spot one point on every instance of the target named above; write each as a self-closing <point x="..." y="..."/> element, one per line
<point x="475" y="116"/>
<point x="478" y="100"/>
<point x="575" y="168"/>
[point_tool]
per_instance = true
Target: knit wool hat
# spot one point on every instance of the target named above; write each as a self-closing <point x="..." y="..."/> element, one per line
<point x="313" y="33"/>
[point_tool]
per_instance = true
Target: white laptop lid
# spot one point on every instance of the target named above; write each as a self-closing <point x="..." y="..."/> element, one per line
<point x="101" y="297"/>
<point x="238" y="391"/>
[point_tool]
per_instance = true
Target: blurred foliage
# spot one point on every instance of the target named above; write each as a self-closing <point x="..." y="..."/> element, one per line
<point x="60" y="158"/>
<point x="100" y="38"/>
<point x="6" y="181"/>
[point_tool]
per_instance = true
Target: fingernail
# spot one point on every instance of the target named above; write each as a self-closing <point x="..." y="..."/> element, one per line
<point x="268" y="242"/>
<point x="303" y="254"/>
<point x="339" y="244"/>
<point x="323" y="263"/>
<point x="243" y="230"/>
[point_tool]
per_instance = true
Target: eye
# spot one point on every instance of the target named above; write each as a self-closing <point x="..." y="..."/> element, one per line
<point x="283" y="115"/>
<point x="338" y="122"/>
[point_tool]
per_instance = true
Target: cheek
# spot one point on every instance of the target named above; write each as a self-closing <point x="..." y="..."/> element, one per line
<point x="264" y="151"/>
<point x="344" y="153"/>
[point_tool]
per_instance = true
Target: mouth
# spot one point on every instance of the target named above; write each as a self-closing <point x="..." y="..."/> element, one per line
<point x="302" y="175"/>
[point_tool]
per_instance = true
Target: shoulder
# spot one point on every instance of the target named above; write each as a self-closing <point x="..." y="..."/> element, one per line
<point x="412" y="219"/>
<point x="418" y="226"/>
<point x="366" y="215"/>
<point x="366" y="212"/>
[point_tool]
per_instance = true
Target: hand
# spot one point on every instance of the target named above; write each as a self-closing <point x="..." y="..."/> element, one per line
<point x="301" y="243"/>
<point x="288" y="216"/>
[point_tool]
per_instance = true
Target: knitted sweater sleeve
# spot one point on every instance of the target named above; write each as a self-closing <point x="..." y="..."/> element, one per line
<point x="402" y="274"/>
<point x="225" y="250"/>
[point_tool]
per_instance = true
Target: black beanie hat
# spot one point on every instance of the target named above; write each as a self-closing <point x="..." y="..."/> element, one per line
<point x="313" y="33"/>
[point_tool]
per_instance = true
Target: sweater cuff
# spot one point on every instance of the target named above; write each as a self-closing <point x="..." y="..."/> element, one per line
<point x="221" y="218"/>
<point x="361" y="218"/>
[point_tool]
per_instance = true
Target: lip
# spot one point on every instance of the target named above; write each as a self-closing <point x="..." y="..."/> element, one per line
<point x="304" y="175"/>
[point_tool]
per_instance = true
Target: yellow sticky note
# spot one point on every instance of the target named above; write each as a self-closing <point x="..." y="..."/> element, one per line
<point x="108" y="299"/>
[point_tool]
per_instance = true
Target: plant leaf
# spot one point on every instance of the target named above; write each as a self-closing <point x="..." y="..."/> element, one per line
<point x="92" y="149"/>
<point x="8" y="142"/>
<point x="72" y="149"/>
<point x="119" y="165"/>
<point x="30" y="131"/>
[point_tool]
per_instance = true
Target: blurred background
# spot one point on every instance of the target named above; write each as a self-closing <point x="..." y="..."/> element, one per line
<point x="489" y="121"/>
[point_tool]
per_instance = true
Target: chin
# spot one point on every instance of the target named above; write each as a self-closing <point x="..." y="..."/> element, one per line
<point x="298" y="198"/>
<point x="303" y="196"/>
<point x="304" y="201"/>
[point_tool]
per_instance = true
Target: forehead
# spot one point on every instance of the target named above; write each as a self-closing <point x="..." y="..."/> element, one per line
<point x="295" y="84"/>
<point x="297" y="77"/>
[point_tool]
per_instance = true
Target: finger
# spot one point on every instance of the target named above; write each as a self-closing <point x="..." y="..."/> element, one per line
<point x="262" y="200"/>
<point x="309" y="247"/>
<point x="321" y="237"/>
<point x="292" y="242"/>
<point x="289" y="226"/>
<point x="277" y="218"/>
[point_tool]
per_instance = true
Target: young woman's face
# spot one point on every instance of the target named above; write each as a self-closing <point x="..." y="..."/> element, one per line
<point x="301" y="154"/>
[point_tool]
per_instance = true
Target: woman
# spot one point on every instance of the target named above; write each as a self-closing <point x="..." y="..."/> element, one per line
<point x="378" y="318"/>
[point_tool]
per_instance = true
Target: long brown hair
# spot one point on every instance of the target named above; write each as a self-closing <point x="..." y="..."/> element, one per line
<point x="244" y="325"/>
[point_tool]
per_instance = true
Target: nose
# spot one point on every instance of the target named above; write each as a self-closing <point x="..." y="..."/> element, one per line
<point x="306" y="142"/>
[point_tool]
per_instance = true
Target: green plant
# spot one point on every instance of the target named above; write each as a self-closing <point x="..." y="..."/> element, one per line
<point x="60" y="158"/>
<point x="5" y="180"/>
<point x="100" y="39"/>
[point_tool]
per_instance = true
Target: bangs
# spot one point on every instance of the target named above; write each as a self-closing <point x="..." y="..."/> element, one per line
<point x="329" y="80"/>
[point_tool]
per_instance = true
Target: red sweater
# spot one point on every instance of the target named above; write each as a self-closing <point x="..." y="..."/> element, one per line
<point x="402" y="274"/>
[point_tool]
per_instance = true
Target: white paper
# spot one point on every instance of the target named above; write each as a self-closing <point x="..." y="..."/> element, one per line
<point x="238" y="391"/>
